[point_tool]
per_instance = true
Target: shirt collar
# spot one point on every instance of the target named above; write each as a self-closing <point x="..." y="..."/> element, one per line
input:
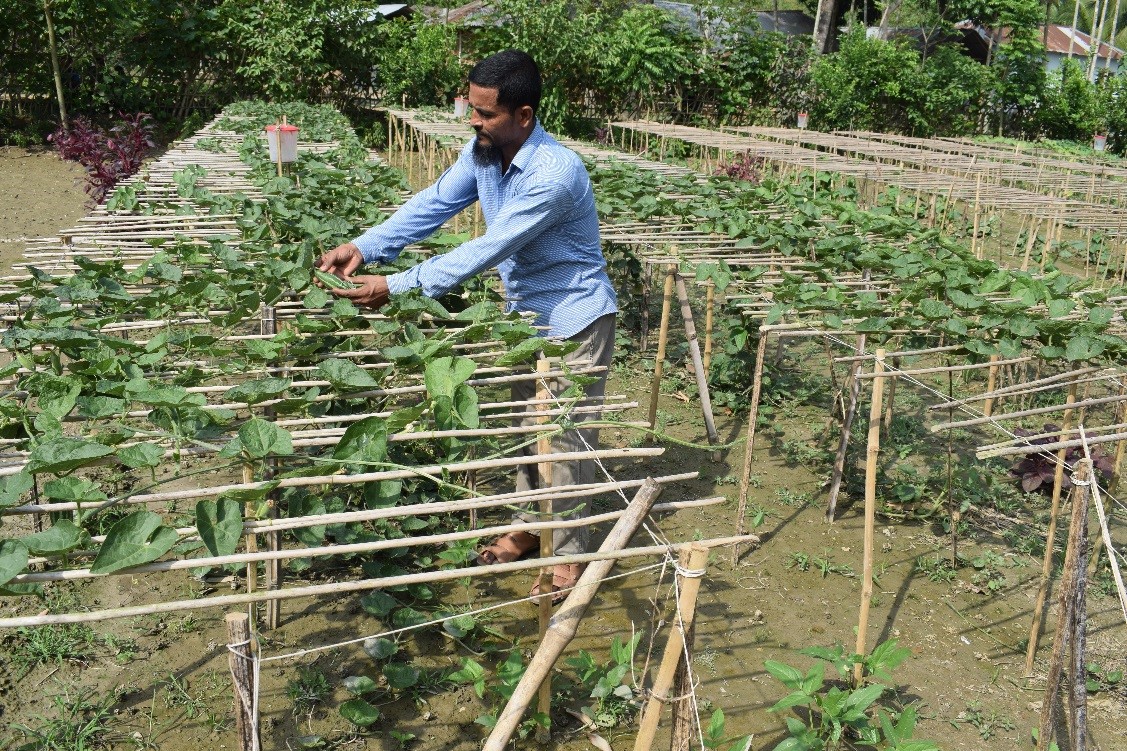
<point x="528" y="148"/>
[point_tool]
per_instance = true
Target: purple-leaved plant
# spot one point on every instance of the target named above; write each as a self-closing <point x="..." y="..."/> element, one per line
<point x="1036" y="471"/>
<point x="108" y="157"/>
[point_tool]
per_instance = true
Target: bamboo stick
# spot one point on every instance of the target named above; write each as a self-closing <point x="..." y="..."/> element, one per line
<point x="663" y="333"/>
<point x="709" y="304"/>
<point x="991" y="383"/>
<point x="698" y="365"/>
<point x="563" y="626"/>
<point x="337" y="588"/>
<point x="1024" y="413"/>
<point x="433" y="471"/>
<point x="749" y="444"/>
<point x="854" y="385"/>
<point x="547" y="549"/>
<point x="1071" y="579"/>
<point x="872" y="453"/>
<point x="686" y="609"/>
<point x="1050" y="537"/>
<point x="951" y="368"/>
<point x="239" y="661"/>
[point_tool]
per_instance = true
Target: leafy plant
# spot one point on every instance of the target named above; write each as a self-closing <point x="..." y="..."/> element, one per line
<point x="613" y="698"/>
<point x="1037" y="471"/>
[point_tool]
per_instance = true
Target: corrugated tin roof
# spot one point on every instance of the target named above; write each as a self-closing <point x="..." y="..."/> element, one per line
<point x="1060" y="37"/>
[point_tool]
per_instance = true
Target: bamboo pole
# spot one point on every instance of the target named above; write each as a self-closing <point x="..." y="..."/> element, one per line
<point x="647" y="282"/>
<point x="951" y="368"/>
<point x="749" y="444"/>
<point x="563" y="626"/>
<point x="686" y="609"/>
<point x="872" y="453"/>
<point x="239" y="660"/>
<point x="663" y="333"/>
<point x="854" y="385"/>
<point x="709" y="304"/>
<point x="698" y="365"/>
<point x="337" y="588"/>
<point x="991" y="383"/>
<point x="55" y="70"/>
<point x="1113" y="484"/>
<point x="1047" y="562"/>
<point x="1024" y="413"/>
<point x="1070" y="586"/>
<point x="547" y="549"/>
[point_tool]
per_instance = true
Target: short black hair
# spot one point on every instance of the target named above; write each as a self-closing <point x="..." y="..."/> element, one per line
<point x="515" y="76"/>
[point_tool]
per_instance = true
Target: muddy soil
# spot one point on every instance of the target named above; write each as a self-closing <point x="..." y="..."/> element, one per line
<point x="42" y="195"/>
<point x="164" y="677"/>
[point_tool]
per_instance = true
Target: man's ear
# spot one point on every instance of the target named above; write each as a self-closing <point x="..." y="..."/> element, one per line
<point x="525" y="116"/>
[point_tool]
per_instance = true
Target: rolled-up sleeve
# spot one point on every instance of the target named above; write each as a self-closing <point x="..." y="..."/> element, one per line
<point x="424" y="213"/>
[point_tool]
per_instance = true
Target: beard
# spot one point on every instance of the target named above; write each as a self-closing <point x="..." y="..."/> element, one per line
<point x="485" y="154"/>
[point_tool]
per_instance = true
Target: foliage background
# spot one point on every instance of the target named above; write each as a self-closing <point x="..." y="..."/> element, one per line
<point x="182" y="60"/>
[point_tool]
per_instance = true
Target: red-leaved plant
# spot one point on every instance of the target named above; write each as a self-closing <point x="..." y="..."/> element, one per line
<point x="744" y="167"/>
<point x="1037" y="470"/>
<point x="109" y="157"/>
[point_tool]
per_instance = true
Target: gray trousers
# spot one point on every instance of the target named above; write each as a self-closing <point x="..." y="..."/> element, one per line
<point x="596" y="345"/>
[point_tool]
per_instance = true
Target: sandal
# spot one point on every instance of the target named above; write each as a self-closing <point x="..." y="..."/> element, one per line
<point x="508" y="548"/>
<point x="564" y="578"/>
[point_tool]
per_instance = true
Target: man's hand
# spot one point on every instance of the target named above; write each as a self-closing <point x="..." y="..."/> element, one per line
<point x="372" y="292"/>
<point x="342" y="260"/>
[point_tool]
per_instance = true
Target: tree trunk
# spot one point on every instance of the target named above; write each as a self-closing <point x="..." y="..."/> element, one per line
<point x="823" y="25"/>
<point x="55" y="65"/>
<point x="891" y="7"/>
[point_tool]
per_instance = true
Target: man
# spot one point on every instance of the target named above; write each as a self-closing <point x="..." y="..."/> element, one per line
<point x="542" y="236"/>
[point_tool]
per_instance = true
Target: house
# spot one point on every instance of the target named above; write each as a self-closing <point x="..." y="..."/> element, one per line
<point x="1061" y="44"/>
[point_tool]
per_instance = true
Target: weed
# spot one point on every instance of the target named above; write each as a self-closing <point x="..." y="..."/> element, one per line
<point x="987" y="723"/>
<point x="1101" y="679"/>
<point x="936" y="569"/>
<point x="177" y="694"/>
<point x="614" y="702"/>
<point x="55" y="644"/>
<point x="308" y="691"/>
<point x="79" y="724"/>
<point x="787" y="497"/>
<point x="821" y="563"/>
<point x="987" y="575"/>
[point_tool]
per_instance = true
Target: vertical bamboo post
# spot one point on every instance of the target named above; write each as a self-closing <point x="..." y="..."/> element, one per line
<point x="1071" y="581"/>
<point x="272" y="568"/>
<point x="647" y="281"/>
<point x="55" y="69"/>
<point x="974" y="249"/>
<point x="709" y="305"/>
<point x="854" y="386"/>
<point x="991" y="384"/>
<point x="239" y="660"/>
<point x="749" y="444"/>
<point x="547" y="547"/>
<point x="698" y="365"/>
<point x="1048" y="244"/>
<point x="252" y="539"/>
<point x="892" y="381"/>
<point x="663" y="334"/>
<point x="1047" y="563"/>
<point x="1030" y="241"/>
<point x="1112" y="486"/>
<point x="689" y="578"/>
<point x="872" y="453"/>
<point x="684" y="712"/>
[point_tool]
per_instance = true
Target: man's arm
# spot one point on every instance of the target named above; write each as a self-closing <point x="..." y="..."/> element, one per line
<point x="521" y="220"/>
<point x="420" y="216"/>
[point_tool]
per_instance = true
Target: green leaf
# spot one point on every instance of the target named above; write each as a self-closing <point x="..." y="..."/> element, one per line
<point x="137" y="539"/>
<point x="220" y="524"/>
<point x="1083" y="348"/>
<point x="359" y="712"/>
<point x="460" y="626"/>
<point x="13" y="559"/>
<point x="1101" y="316"/>
<point x="935" y="309"/>
<point x="258" y="439"/>
<point x="140" y="455"/>
<point x="253" y="392"/>
<point x="358" y="685"/>
<point x="65" y="454"/>
<point x="365" y="441"/>
<point x="401" y="675"/>
<point x="789" y="676"/>
<point x="12" y="488"/>
<point x="444" y="374"/>
<point x="63" y="536"/>
<point x="379" y="648"/>
<point x="73" y="490"/>
<point x="378" y="604"/>
<point x="345" y="375"/>
<point x="524" y="351"/>
<point x="1060" y="307"/>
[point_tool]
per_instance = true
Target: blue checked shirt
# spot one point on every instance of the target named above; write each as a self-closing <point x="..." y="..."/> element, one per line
<point x="542" y="235"/>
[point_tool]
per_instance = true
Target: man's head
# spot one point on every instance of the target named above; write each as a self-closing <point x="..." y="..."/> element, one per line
<point x="504" y="95"/>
